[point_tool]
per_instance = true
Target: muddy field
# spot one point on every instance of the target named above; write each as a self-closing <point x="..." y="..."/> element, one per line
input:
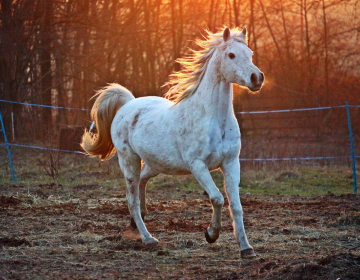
<point x="51" y="231"/>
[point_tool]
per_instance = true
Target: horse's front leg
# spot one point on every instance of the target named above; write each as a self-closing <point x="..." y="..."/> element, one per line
<point x="231" y="170"/>
<point x="202" y="175"/>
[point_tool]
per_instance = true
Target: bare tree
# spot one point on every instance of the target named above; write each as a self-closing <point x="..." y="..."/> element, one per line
<point x="45" y="62"/>
<point x="58" y="52"/>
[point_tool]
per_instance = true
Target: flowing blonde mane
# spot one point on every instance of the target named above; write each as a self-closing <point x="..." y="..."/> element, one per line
<point x="184" y="83"/>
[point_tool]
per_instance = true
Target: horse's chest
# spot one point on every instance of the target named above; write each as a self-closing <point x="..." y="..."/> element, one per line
<point x="220" y="147"/>
<point x="217" y="144"/>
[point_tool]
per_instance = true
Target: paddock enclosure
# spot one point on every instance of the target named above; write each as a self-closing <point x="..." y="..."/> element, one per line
<point x="304" y="223"/>
<point x="66" y="216"/>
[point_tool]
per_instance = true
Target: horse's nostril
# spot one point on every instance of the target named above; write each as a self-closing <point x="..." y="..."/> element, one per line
<point x="257" y="80"/>
<point x="253" y="78"/>
<point x="261" y="79"/>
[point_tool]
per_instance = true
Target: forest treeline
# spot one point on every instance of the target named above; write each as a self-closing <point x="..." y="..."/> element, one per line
<point x="57" y="52"/>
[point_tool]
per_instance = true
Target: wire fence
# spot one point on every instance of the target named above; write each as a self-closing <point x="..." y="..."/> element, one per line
<point x="351" y="147"/>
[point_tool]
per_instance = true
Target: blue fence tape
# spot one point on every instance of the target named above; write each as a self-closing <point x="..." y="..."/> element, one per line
<point x="42" y="148"/>
<point x="292" y="110"/>
<point x="44" y="106"/>
<point x="249" y="112"/>
<point x="289" y="159"/>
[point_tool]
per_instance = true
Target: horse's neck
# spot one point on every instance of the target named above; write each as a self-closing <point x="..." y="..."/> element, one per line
<point x="213" y="97"/>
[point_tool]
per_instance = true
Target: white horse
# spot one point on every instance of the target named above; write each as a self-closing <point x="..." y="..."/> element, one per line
<point x="194" y="133"/>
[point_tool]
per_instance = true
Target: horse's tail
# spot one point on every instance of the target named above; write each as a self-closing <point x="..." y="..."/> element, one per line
<point x="109" y="100"/>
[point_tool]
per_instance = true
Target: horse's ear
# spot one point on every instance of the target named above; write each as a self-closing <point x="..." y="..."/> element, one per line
<point x="226" y="34"/>
<point x="243" y="32"/>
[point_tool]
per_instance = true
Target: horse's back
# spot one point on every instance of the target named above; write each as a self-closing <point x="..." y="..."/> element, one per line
<point x="139" y="115"/>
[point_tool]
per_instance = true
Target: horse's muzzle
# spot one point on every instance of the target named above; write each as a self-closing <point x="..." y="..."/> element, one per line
<point x="256" y="81"/>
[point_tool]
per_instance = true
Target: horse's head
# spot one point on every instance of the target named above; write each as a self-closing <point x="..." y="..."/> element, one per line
<point x="236" y="61"/>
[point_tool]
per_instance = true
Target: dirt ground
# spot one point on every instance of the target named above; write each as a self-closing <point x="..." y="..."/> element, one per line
<point x="50" y="231"/>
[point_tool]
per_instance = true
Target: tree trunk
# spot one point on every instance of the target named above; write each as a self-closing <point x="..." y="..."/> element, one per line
<point x="176" y="30"/>
<point x="252" y="35"/>
<point x="326" y="66"/>
<point x="45" y="63"/>
<point x="236" y="8"/>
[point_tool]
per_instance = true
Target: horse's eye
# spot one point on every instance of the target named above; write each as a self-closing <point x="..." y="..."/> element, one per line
<point x="231" y="55"/>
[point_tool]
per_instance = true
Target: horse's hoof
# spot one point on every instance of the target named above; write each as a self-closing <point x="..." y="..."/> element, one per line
<point x="208" y="238"/>
<point x="132" y="223"/>
<point x="248" y="254"/>
<point x="150" y="242"/>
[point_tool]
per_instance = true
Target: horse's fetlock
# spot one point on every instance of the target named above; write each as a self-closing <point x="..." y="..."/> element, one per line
<point x="216" y="227"/>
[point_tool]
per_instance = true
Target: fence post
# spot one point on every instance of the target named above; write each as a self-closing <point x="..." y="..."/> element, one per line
<point x="352" y="150"/>
<point x="12" y="169"/>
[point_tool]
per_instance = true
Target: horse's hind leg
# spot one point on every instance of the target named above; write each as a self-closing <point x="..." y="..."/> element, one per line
<point x="202" y="174"/>
<point x="145" y="175"/>
<point x="131" y="167"/>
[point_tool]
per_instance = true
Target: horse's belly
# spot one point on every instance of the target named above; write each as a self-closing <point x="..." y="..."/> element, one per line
<point x="165" y="165"/>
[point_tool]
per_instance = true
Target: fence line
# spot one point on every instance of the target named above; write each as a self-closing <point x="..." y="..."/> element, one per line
<point x="297" y="110"/>
<point x="347" y="106"/>
<point x="238" y="113"/>
<point x="41" y="148"/>
<point x="44" y="106"/>
<point x="289" y="159"/>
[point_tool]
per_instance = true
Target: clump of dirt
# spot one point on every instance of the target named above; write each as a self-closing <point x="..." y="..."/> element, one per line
<point x="13" y="242"/>
<point x="98" y="227"/>
<point x="112" y="238"/>
<point x="348" y="220"/>
<point x="86" y="187"/>
<point x="113" y="208"/>
<point x="49" y="186"/>
<point x="340" y="266"/>
<point x="6" y="201"/>
<point x="184" y="225"/>
<point x="29" y="175"/>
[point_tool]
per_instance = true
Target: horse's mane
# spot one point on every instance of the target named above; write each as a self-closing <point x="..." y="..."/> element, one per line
<point x="184" y="83"/>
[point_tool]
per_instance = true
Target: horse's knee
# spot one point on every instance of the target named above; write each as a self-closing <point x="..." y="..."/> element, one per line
<point x="217" y="200"/>
<point x="133" y="207"/>
<point x="133" y="202"/>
